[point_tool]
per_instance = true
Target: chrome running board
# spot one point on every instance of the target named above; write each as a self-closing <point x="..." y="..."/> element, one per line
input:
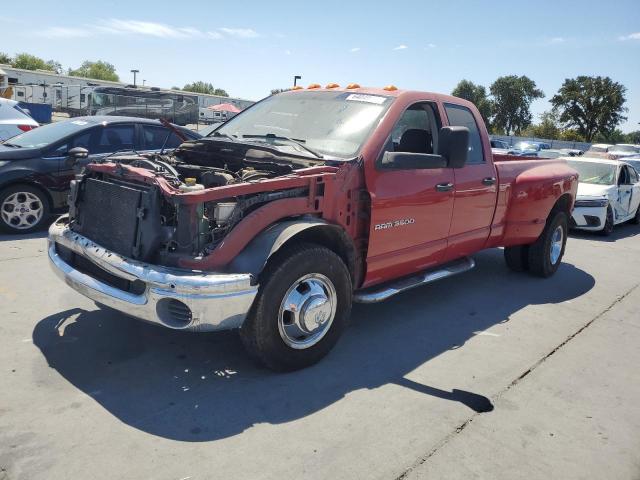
<point x="387" y="290"/>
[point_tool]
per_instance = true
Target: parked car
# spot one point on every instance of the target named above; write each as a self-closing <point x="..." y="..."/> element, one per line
<point x="634" y="161"/>
<point x="553" y="153"/>
<point x="300" y="204"/>
<point x="34" y="178"/>
<point x="14" y="120"/>
<point x="529" y="149"/>
<point x="623" y="150"/>
<point x="608" y="194"/>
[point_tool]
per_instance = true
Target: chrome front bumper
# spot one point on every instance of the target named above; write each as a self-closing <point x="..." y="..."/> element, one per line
<point x="213" y="301"/>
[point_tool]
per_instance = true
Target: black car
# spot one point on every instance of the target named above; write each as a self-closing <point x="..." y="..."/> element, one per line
<point x="34" y="177"/>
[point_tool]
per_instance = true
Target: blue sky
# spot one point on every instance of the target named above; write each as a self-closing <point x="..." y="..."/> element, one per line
<point x="250" y="47"/>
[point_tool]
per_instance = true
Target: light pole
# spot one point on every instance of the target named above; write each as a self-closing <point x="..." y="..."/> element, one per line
<point x="134" y="76"/>
<point x="296" y="78"/>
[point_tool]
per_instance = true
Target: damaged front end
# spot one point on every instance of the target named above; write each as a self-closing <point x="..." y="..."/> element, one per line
<point x="153" y="236"/>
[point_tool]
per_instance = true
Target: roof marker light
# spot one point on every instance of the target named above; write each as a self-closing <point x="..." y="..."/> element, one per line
<point x="314" y="85"/>
<point x="332" y="85"/>
<point x="297" y="87"/>
<point x="351" y="86"/>
<point x="390" y="88"/>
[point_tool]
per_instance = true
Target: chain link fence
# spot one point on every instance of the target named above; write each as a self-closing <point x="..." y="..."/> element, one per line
<point x="556" y="144"/>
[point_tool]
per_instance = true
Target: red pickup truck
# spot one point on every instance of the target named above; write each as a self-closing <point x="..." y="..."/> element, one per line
<point x="301" y="204"/>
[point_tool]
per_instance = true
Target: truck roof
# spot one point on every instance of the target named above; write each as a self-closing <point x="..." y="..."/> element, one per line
<point x="397" y="93"/>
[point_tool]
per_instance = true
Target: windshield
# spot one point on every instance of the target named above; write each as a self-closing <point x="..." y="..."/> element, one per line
<point x="526" y="146"/>
<point x="331" y="123"/>
<point x="47" y="134"/>
<point x="594" y="173"/>
<point x="598" y="149"/>
<point x="626" y="149"/>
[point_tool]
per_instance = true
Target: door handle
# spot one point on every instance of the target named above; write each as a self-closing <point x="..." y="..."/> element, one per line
<point x="444" y="187"/>
<point x="489" y="181"/>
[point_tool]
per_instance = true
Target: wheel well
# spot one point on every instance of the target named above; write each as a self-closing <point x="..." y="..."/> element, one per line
<point x="42" y="190"/>
<point x="333" y="238"/>
<point x="563" y="204"/>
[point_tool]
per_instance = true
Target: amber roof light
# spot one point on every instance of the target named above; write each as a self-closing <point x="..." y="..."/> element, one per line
<point x="390" y="88"/>
<point x="351" y="86"/>
<point x="332" y="85"/>
<point x="297" y="87"/>
<point x="314" y="85"/>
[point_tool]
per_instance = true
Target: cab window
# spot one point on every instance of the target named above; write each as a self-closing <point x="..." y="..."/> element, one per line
<point x="416" y="131"/>
<point x="154" y="137"/>
<point x="114" y="138"/>
<point x="460" y="116"/>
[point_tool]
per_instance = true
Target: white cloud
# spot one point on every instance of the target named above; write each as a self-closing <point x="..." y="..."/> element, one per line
<point x="240" y="32"/>
<point x="431" y="45"/>
<point x="556" y="40"/>
<point x="64" y="32"/>
<point x="287" y="52"/>
<point x="117" y="26"/>
<point x="631" y="36"/>
<point x="401" y="47"/>
<point x="355" y="49"/>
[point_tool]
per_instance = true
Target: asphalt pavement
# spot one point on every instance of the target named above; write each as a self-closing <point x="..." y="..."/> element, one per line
<point x="490" y="374"/>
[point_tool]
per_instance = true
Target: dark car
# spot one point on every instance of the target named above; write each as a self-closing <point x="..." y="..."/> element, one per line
<point x="34" y="177"/>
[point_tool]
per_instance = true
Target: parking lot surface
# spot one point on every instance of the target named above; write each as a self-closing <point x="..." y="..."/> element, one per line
<point x="490" y="374"/>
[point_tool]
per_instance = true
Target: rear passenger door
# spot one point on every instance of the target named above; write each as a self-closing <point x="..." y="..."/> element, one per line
<point x="476" y="189"/>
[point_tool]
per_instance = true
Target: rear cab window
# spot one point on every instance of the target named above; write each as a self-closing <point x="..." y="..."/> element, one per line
<point x="460" y="116"/>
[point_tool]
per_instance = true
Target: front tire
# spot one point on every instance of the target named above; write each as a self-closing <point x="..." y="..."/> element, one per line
<point x="608" y="223"/>
<point x="302" y="307"/>
<point x="545" y="254"/>
<point x="23" y="209"/>
<point x="636" y="218"/>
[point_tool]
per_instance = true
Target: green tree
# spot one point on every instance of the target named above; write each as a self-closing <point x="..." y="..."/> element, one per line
<point x="592" y="105"/>
<point x="27" y="61"/>
<point x="633" y="137"/>
<point x="477" y="95"/>
<point x="98" y="70"/>
<point x="547" y="128"/>
<point x="571" y="135"/>
<point x="615" y="136"/>
<point x="512" y="97"/>
<point x="204" y="87"/>
<point x="5" y="58"/>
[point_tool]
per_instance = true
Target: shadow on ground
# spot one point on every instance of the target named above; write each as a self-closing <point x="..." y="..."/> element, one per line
<point x="624" y="230"/>
<point x="200" y="387"/>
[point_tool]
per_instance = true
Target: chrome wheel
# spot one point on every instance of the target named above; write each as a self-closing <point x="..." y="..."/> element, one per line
<point x="22" y="210"/>
<point x="307" y="311"/>
<point x="556" y="244"/>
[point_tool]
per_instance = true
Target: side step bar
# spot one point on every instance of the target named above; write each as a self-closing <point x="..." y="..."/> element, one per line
<point x="387" y="290"/>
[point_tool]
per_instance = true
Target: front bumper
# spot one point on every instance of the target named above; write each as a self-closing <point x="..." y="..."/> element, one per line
<point x="174" y="298"/>
<point x="589" y="218"/>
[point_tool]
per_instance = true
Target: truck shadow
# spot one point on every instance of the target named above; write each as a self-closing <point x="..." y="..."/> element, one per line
<point x="201" y="387"/>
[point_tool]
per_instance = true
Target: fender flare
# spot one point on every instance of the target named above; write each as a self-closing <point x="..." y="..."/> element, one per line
<point x="253" y="258"/>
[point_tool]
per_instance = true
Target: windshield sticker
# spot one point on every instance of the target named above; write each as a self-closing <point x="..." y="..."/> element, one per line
<point x="79" y="122"/>
<point x="359" y="97"/>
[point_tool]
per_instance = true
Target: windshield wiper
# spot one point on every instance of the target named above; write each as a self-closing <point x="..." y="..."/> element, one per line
<point x="225" y="135"/>
<point x="273" y="136"/>
<point x="11" y="145"/>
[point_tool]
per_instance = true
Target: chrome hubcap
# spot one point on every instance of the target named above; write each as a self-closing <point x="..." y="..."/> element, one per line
<point x="556" y="244"/>
<point x="307" y="311"/>
<point x="21" y="210"/>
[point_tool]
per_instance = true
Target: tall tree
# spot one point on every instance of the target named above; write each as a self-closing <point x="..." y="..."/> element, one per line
<point x="477" y="95"/>
<point x="512" y="97"/>
<point x="547" y="128"/>
<point x="27" y="61"/>
<point x="204" y="87"/>
<point x="593" y="105"/>
<point x="98" y="70"/>
<point x="5" y="58"/>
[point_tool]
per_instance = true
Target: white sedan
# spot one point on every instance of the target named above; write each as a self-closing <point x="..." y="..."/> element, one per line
<point x="14" y="120"/>
<point x="608" y="194"/>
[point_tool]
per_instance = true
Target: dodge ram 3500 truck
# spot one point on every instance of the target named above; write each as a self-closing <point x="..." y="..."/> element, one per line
<point x="301" y="204"/>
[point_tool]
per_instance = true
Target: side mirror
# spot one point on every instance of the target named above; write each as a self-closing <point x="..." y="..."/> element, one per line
<point x="412" y="161"/>
<point x="75" y="154"/>
<point x="453" y="144"/>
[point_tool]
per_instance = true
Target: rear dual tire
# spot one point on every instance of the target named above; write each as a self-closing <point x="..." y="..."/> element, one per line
<point x="543" y="257"/>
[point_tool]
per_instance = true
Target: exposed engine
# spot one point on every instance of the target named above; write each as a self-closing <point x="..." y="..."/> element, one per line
<point x="177" y="229"/>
